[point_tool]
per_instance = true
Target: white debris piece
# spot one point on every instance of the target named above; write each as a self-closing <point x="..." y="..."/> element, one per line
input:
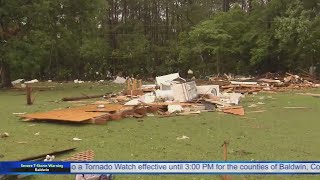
<point x="183" y="137"/>
<point x="17" y="81"/>
<point x="19" y="113"/>
<point x="209" y="89"/>
<point x="270" y="80"/>
<point x="77" y="139"/>
<point x="190" y="71"/>
<point x="246" y="83"/>
<point x="77" y="81"/>
<point x="252" y="105"/>
<point x="49" y="158"/>
<point x="133" y="102"/>
<point x="164" y="94"/>
<point x="146" y="98"/>
<point x="37" y="134"/>
<point x="50" y="80"/>
<point x="166" y="78"/>
<point x="184" y="92"/>
<point x="175" y="108"/>
<point x="32" y="81"/>
<point x="164" y="82"/>
<point x="4" y="135"/>
<point x="101" y="80"/>
<point x="119" y="80"/>
<point x="101" y="106"/>
<point x="231" y="98"/>
<point x="148" y="86"/>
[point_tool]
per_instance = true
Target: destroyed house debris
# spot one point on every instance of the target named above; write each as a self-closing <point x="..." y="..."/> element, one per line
<point x="172" y="95"/>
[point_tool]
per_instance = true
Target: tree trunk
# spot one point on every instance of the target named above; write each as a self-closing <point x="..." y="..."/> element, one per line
<point x="225" y="5"/>
<point x="5" y="75"/>
<point x="249" y="5"/>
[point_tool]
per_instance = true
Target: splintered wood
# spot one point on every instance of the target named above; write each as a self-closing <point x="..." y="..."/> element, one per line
<point x="134" y="87"/>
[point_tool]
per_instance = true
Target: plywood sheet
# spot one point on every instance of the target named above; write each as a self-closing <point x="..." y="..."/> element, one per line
<point x="77" y="114"/>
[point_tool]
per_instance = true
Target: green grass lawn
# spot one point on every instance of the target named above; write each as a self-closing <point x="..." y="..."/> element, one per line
<point x="276" y="134"/>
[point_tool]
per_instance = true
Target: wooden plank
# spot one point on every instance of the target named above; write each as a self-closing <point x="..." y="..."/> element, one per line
<point x="82" y="97"/>
<point x="78" y="114"/>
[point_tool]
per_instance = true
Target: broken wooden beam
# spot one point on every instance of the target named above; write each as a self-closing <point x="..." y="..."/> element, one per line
<point x="82" y="97"/>
<point x="29" y="91"/>
<point x="49" y="153"/>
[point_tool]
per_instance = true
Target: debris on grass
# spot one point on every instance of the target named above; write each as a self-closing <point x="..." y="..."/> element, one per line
<point x="183" y="137"/>
<point x="296" y="107"/>
<point x="252" y="105"/>
<point x="150" y="115"/>
<point x="77" y="81"/>
<point x="172" y="95"/>
<point x="17" y="81"/>
<point x="174" y="108"/>
<point x="19" y="113"/>
<point x="76" y="139"/>
<point x="37" y="134"/>
<point x="22" y="142"/>
<point x="49" y="158"/>
<point x="4" y="135"/>
<point x="236" y="110"/>
<point x="32" y="81"/>
<point x="119" y="80"/>
<point x="258" y="111"/>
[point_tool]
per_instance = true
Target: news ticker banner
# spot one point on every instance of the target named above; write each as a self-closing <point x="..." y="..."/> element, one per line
<point x="160" y="167"/>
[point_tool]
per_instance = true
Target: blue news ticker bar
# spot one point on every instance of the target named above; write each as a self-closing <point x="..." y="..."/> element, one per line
<point x="55" y="167"/>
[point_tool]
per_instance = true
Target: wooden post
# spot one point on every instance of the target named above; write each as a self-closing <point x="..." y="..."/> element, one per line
<point x="225" y="158"/>
<point x="29" y="91"/>
<point x="140" y="84"/>
<point x="134" y="84"/>
<point x="128" y="85"/>
<point x="225" y="151"/>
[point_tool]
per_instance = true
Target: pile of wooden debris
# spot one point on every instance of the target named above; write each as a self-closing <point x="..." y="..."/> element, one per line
<point x="173" y="96"/>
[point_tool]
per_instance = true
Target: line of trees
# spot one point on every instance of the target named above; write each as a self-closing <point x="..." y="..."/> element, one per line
<point x="88" y="39"/>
